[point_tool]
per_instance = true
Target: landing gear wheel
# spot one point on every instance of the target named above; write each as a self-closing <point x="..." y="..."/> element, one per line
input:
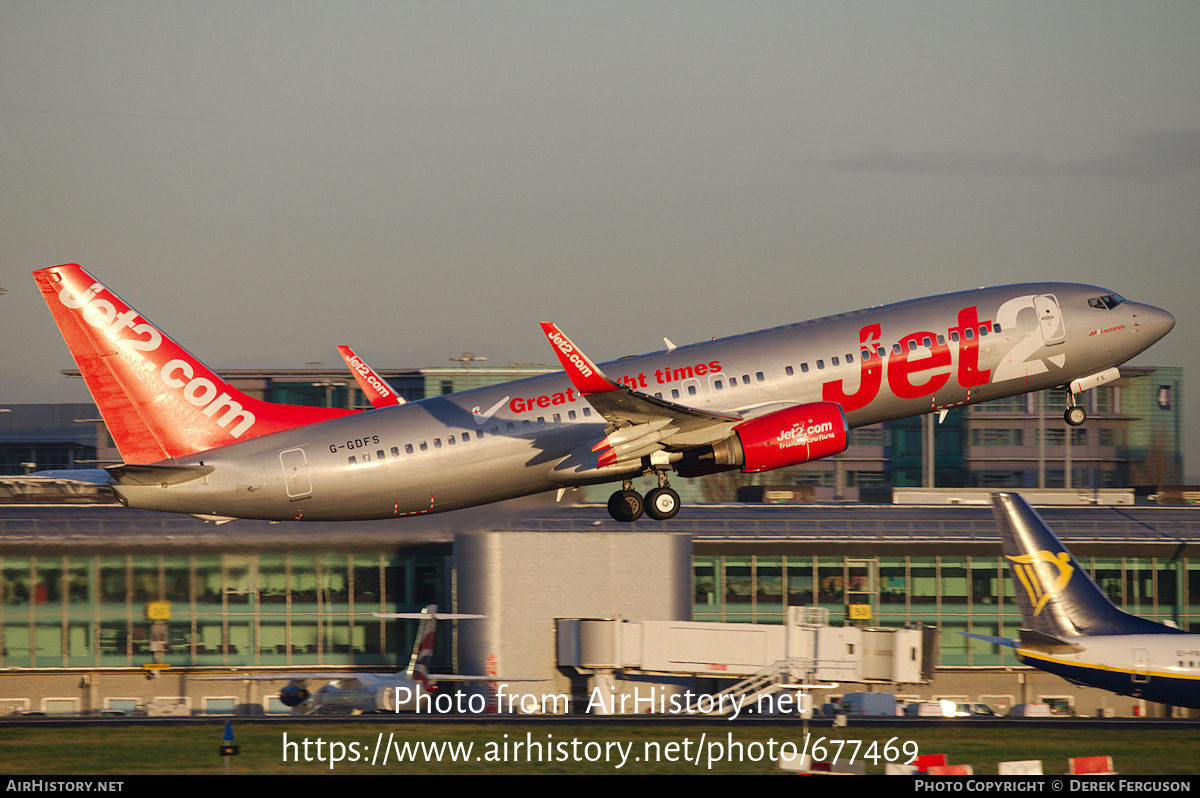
<point x="626" y="506"/>
<point x="662" y="504"/>
<point x="1075" y="416"/>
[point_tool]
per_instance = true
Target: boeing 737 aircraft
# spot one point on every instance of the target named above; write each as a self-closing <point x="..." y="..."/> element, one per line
<point x="1073" y="630"/>
<point x="194" y="444"/>
<point x="371" y="692"/>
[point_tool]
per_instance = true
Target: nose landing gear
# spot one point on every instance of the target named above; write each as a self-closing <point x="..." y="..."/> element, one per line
<point x="1074" y="414"/>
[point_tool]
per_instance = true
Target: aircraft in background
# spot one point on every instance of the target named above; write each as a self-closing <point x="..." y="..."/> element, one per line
<point x="371" y="692"/>
<point x="194" y="444"/>
<point x="373" y="386"/>
<point x="1070" y="627"/>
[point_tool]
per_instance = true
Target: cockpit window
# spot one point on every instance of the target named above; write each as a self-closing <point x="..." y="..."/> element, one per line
<point x="1106" y="302"/>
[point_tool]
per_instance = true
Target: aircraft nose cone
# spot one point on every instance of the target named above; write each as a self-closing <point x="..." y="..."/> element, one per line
<point x="1156" y="321"/>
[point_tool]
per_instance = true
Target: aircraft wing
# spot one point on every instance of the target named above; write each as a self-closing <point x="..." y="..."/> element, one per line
<point x="269" y="677"/>
<point x="637" y="423"/>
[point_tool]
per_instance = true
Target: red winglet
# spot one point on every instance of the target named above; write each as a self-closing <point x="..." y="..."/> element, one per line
<point x="584" y="374"/>
<point x="373" y="386"/>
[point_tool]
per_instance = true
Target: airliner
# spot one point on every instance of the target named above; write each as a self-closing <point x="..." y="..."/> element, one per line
<point x="410" y="689"/>
<point x="192" y="443"/>
<point x="1070" y="627"/>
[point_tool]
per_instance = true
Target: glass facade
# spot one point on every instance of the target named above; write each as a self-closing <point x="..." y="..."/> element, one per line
<point x="960" y="593"/>
<point x="218" y="609"/>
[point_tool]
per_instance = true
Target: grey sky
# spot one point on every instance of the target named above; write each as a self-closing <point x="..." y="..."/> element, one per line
<point x="266" y="180"/>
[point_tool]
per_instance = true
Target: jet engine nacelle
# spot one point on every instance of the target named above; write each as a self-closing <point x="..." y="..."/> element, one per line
<point x="786" y="437"/>
<point x="293" y="695"/>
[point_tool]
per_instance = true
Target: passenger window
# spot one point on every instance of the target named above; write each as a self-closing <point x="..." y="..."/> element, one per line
<point x="833" y="361"/>
<point x="674" y="393"/>
<point x="495" y="430"/>
<point x="927" y="341"/>
<point x="379" y="455"/>
<point x="983" y="331"/>
<point x="512" y="427"/>
<point x="557" y="418"/>
<point x="450" y="440"/>
<point x="820" y="364"/>
<point x="912" y="345"/>
<point x="759" y="376"/>
<point x="865" y="354"/>
<point x="395" y="451"/>
<point x="849" y="357"/>
<point x="691" y="390"/>
<point x="970" y="334"/>
<point x="352" y="460"/>
<point x="408" y="448"/>
<point x="995" y="328"/>
<point x="466" y="436"/>
<point x="788" y="371"/>
<point x="424" y="446"/>
<point x="954" y="336"/>
<point x="437" y="443"/>
<point x="897" y="349"/>
<point x="587" y="411"/>
<point x="719" y="385"/>
<point x="526" y="425"/>
<point x="804" y="368"/>
<point x="571" y="415"/>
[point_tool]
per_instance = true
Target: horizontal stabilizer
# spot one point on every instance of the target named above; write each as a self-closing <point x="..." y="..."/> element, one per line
<point x="1038" y="641"/>
<point x="1000" y="641"/>
<point x="157" y="474"/>
<point x="91" y="476"/>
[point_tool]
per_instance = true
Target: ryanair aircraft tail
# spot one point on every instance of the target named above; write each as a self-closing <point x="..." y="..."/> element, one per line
<point x="1058" y="599"/>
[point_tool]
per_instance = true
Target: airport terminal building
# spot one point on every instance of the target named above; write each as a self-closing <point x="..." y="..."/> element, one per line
<point x="102" y="607"/>
<point x="106" y="608"/>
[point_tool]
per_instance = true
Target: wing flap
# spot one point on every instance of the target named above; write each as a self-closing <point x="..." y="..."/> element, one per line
<point x="638" y="424"/>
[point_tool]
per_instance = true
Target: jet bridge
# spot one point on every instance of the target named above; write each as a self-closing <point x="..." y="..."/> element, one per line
<point x="806" y="650"/>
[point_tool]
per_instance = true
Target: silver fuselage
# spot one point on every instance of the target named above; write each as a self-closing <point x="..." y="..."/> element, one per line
<point x="504" y="441"/>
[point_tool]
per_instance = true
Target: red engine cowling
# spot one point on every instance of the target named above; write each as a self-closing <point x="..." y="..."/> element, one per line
<point x="785" y="437"/>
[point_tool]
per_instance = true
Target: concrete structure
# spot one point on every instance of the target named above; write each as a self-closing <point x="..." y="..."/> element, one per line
<point x="82" y="587"/>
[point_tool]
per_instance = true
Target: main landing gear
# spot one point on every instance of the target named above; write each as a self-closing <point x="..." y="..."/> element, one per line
<point x="627" y="505"/>
<point x="1074" y="415"/>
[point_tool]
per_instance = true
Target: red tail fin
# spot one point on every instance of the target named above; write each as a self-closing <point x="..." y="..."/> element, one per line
<point x="158" y="401"/>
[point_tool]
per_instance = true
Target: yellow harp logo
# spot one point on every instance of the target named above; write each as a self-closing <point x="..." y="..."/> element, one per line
<point x="1040" y="593"/>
